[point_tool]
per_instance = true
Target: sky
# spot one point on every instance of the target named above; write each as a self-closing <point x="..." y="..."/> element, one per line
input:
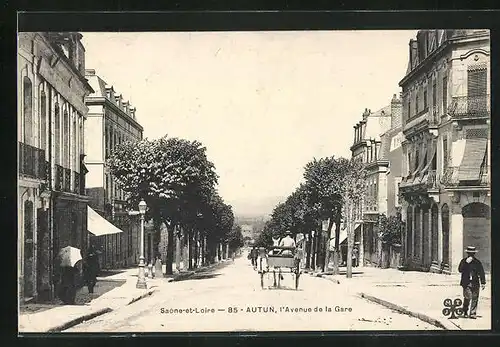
<point x="263" y="103"/>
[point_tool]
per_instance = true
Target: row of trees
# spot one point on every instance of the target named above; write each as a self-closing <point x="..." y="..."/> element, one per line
<point x="178" y="183"/>
<point x="333" y="191"/>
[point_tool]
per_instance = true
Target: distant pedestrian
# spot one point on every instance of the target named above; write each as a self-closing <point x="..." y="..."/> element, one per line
<point x="472" y="276"/>
<point x="355" y="255"/>
<point x="91" y="268"/>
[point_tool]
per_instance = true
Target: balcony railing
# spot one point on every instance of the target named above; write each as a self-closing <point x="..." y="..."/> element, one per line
<point x="67" y="180"/>
<point x="470" y="107"/>
<point x="76" y="182"/>
<point x="59" y="179"/>
<point x="450" y="178"/>
<point x="32" y="162"/>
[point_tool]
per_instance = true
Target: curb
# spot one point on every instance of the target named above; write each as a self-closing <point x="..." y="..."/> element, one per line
<point x="95" y="314"/>
<point x="433" y="321"/>
<point x="79" y="320"/>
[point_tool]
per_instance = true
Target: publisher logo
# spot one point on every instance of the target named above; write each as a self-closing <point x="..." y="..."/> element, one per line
<point x="453" y="308"/>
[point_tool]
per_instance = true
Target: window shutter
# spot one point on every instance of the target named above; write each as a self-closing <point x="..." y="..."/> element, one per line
<point x="476" y="81"/>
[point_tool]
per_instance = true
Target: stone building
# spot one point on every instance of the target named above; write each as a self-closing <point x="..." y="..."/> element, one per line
<point x="111" y="121"/>
<point x="51" y="197"/>
<point x="446" y="165"/>
<point x="367" y="148"/>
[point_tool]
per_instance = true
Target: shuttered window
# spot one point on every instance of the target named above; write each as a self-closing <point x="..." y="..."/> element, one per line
<point x="476" y="90"/>
<point x="476" y="81"/>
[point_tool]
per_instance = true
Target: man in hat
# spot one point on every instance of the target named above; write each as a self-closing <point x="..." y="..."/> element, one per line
<point x="472" y="273"/>
<point x="287" y="241"/>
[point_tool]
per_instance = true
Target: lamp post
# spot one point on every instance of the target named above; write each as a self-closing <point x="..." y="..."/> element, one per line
<point x="141" y="278"/>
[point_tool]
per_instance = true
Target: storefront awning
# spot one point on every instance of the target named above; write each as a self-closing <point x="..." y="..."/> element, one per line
<point x="470" y="167"/>
<point x="99" y="226"/>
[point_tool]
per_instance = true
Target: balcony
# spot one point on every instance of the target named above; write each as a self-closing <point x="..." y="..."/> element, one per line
<point x="450" y="178"/>
<point x="63" y="179"/>
<point x="470" y="107"/>
<point x="32" y="162"/>
<point x="76" y="182"/>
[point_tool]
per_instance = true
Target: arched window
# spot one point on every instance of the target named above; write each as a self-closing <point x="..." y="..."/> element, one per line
<point x="43" y="120"/>
<point x="57" y="135"/>
<point x="28" y="110"/>
<point x="434" y="233"/>
<point x="445" y="220"/>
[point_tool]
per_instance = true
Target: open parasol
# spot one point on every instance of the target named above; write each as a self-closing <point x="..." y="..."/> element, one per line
<point x="69" y="256"/>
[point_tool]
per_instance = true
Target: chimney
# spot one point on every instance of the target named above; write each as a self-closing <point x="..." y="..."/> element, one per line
<point x="396" y="111"/>
<point x="132" y="111"/>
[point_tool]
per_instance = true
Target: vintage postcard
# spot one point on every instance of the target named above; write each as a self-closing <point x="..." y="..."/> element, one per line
<point x="254" y="181"/>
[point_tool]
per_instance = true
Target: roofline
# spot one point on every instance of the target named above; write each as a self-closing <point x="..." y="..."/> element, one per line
<point x="101" y="100"/>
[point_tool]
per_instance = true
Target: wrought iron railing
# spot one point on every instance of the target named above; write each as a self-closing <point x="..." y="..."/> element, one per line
<point x="32" y="161"/>
<point x="67" y="180"/>
<point x="59" y="179"/>
<point x="450" y="179"/>
<point x="470" y="106"/>
<point x="76" y="182"/>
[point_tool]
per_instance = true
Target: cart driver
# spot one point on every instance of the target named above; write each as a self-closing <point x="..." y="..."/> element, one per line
<point x="287" y="241"/>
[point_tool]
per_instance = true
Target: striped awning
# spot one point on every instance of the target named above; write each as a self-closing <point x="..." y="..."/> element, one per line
<point x="470" y="167"/>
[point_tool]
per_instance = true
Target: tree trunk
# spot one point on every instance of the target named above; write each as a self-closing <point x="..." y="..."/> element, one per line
<point x="308" y="251"/>
<point x="350" y="240"/>
<point x="190" y="249"/>
<point x="196" y="250"/>
<point x="178" y="251"/>
<point x="203" y="251"/>
<point x="336" y="251"/>
<point x="327" y="246"/>
<point x="170" y="249"/>
<point x="318" y="248"/>
<point x="313" y="252"/>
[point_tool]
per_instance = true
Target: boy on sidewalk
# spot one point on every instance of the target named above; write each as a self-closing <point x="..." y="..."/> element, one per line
<point x="472" y="272"/>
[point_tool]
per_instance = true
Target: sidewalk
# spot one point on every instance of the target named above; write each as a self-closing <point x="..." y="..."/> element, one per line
<point x="56" y="318"/>
<point x="419" y="294"/>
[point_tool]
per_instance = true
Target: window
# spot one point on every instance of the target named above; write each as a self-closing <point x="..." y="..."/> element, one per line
<point x="476" y="90"/>
<point x="416" y="161"/>
<point x="66" y="139"/>
<point x="409" y="164"/>
<point x="28" y="110"/>
<point x="416" y="104"/>
<point x="43" y="120"/>
<point x="445" y="154"/>
<point x="434" y="101"/>
<point x="425" y="99"/>
<point x="409" y="108"/>
<point x="57" y="142"/>
<point x="74" y="145"/>
<point x="445" y="95"/>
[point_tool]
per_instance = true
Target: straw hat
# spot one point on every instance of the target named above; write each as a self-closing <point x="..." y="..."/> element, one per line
<point x="471" y="249"/>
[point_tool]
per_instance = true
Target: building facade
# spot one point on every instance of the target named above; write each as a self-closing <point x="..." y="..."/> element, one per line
<point x="446" y="165"/>
<point x="51" y="116"/>
<point x="111" y="121"/>
<point x="367" y="147"/>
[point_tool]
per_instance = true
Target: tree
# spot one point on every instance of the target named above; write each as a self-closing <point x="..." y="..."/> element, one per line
<point x="325" y="180"/>
<point x="235" y="238"/>
<point x="354" y="191"/>
<point x="390" y="229"/>
<point x="172" y="175"/>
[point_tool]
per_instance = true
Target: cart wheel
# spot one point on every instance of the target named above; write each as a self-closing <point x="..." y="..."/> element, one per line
<point x="297" y="276"/>
<point x="262" y="280"/>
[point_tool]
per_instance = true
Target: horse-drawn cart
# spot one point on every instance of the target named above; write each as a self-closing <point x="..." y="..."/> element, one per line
<point x="281" y="260"/>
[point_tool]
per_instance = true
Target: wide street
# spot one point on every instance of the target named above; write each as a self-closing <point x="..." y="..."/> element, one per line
<point x="231" y="299"/>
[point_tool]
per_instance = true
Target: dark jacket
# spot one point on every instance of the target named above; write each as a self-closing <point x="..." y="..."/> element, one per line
<point x="471" y="272"/>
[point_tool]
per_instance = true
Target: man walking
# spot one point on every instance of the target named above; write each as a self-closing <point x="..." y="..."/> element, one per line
<point x="472" y="273"/>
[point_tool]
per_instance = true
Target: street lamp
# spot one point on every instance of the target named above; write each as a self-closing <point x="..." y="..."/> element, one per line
<point x="141" y="278"/>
